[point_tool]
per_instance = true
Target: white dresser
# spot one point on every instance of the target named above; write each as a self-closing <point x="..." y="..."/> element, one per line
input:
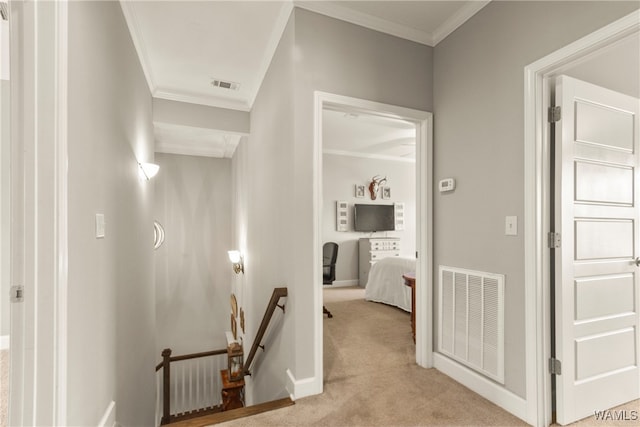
<point x="375" y="249"/>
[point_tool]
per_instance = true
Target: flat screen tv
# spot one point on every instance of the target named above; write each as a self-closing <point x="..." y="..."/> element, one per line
<point x="374" y="217"/>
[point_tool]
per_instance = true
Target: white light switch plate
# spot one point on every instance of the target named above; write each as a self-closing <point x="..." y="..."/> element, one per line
<point x="100" y="226"/>
<point x="511" y="226"/>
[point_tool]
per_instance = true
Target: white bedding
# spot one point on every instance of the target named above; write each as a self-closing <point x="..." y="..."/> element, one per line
<point x="386" y="283"/>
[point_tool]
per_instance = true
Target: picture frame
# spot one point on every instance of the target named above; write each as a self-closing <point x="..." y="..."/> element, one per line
<point x="386" y="192"/>
<point x="359" y="191"/>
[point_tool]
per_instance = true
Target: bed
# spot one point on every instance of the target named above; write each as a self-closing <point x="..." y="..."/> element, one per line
<point x="386" y="284"/>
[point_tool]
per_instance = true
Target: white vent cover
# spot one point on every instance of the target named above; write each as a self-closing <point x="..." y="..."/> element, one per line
<point x="471" y="317"/>
<point x="222" y="84"/>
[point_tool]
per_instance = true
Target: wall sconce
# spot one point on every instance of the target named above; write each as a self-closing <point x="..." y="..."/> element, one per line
<point x="238" y="262"/>
<point x="148" y="170"/>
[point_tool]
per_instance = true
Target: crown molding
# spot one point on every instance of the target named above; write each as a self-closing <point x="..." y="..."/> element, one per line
<point x="457" y="19"/>
<point x="368" y="156"/>
<point x="138" y="43"/>
<point x="211" y="101"/>
<point x="368" y="21"/>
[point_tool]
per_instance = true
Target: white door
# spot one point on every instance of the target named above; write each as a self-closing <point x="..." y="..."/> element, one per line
<point x="597" y="286"/>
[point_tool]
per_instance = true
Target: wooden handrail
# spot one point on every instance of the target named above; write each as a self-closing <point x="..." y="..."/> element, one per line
<point x="271" y="307"/>
<point x="189" y="356"/>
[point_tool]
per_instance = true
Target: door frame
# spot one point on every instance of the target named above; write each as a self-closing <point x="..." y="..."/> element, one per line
<point x="39" y="228"/>
<point x="537" y="194"/>
<point x="424" y="220"/>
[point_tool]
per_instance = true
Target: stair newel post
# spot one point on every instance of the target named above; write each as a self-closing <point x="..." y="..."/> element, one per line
<point x="166" y="385"/>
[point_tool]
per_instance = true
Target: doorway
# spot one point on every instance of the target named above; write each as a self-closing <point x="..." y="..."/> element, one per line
<point x="424" y="147"/>
<point x="539" y="79"/>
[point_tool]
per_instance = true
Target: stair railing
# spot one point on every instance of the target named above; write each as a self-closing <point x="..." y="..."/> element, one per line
<point x="194" y="394"/>
<point x="271" y="307"/>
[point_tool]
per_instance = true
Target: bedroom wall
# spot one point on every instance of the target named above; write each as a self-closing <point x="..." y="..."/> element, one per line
<point x="111" y="296"/>
<point x="478" y="139"/>
<point x="192" y="201"/>
<point x="340" y="174"/>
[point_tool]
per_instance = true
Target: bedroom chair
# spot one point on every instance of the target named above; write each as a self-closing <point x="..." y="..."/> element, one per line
<point x="329" y="257"/>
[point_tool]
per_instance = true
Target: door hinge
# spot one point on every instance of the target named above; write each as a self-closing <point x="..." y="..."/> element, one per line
<point x="554" y="240"/>
<point x="555" y="114"/>
<point x="17" y="293"/>
<point x="555" y="366"/>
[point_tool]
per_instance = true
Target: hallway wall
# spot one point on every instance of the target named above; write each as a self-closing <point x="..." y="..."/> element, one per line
<point x="111" y="297"/>
<point x="478" y="140"/>
<point x="192" y="201"/>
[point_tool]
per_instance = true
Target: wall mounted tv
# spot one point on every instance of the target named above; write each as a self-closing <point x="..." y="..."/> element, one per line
<point x="374" y="217"/>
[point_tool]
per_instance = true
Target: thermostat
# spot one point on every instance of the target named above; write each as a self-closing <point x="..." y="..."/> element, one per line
<point x="448" y="184"/>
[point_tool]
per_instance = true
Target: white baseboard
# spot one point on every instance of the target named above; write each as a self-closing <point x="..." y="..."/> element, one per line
<point x="4" y="342"/>
<point x="482" y="385"/>
<point x="301" y="388"/>
<point x="109" y="417"/>
<point x="343" y="283"/>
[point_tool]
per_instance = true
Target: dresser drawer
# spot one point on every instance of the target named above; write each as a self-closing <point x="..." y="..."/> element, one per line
<point x="378" y="255"/>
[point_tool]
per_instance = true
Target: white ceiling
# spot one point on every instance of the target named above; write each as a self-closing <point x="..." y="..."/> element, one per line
<point x="367" y="135"/>
<point x="184" y="45"/>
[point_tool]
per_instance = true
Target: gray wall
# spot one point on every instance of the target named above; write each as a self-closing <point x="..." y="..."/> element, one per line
<point x="616" y="68"/>
<point x="339" y="176"/>
<point x="111" y="305"/>
<point x="478" y="139"/>
<point x="273" y="169"/>
<point x="193" y="274"/>
<point x="264" y="211"/>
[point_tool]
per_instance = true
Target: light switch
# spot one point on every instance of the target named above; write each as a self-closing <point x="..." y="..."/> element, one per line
<point x="100" y="226"/>
<point x="511" y="226"/>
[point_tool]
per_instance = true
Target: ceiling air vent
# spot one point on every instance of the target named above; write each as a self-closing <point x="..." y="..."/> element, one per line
<point x="225" y="84"/>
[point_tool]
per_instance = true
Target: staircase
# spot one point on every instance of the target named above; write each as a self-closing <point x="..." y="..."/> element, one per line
<point x="234" y="414"/>
<point x="189" y="386"/>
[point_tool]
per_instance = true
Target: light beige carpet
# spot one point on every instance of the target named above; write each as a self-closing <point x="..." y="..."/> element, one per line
<point x="4" y="387"/>
<point x="371" y="378"/>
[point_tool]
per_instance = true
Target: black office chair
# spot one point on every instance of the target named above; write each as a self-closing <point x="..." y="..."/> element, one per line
<point x="329" y="257"/>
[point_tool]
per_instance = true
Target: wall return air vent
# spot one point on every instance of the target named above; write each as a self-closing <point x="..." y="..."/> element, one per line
<point x="471" y="310"/>
<point x="223" y="84"/>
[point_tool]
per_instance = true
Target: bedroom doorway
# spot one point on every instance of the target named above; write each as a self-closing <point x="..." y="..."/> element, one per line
<point x="330" y="109"/>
